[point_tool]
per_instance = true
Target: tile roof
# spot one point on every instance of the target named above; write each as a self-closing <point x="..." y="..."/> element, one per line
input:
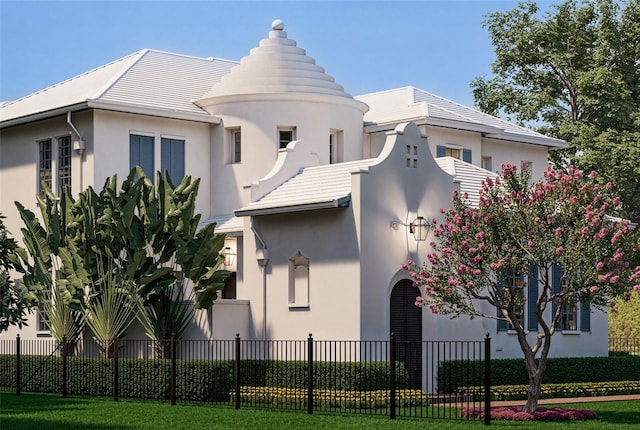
<point x="147" y="78"/>
<point x="317" y="187"/>
<point x="469" y="176"/>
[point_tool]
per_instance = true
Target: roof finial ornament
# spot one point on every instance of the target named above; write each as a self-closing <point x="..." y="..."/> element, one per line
<point x="277" y="25"/>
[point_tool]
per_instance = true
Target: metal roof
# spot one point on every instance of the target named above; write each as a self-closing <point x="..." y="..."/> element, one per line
<point x="148" y="79"/>
<point x="402" y="104"/>
<point x="226" y="223"/>
<point x="469" y="177"/>
<point x="318" y="187"/>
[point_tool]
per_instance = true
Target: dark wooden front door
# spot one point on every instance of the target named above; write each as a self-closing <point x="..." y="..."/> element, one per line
<point x="406" y="325"/>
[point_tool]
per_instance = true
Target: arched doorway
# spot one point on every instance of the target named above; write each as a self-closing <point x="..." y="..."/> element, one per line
<point x="405" y="323"/>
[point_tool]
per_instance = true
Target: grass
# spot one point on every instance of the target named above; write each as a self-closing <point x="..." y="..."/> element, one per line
<point x="51" y="412"/>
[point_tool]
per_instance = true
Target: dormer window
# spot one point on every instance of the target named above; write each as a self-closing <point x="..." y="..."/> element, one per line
<point x="286" y="135"/>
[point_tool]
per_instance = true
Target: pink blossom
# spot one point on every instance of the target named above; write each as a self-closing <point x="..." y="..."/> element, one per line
<point x="559" y="250"/>
<point x="558" y="231"/>
<point x="600" y="265"/>
<point x="608" y="185"/>
<point x="594" y="289"/>
<point x="614" y="279"/>
<point x="537" y="220"/>
<point x="636" y="288"/>
<point x="530" y="244"/>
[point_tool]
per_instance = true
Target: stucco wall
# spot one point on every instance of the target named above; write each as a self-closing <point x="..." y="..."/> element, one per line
<point x="327" y="238"/>
<point x="111" y="147"/>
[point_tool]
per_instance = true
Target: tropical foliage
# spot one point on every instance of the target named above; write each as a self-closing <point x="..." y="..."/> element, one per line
<point x="13" y="295"/>
<point x="115" y="252"/>
<point x="522" y="230"/>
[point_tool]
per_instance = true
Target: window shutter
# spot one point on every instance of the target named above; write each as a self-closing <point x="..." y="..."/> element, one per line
<point x="503" y="325"/>
<point x="585" y="316"/>
<point x="141" y="153"/>
<point x="440" y="151"/>
<point x="165" y="156"/>
<point x="532" y="297"/>
<point x="466" y="155"/>
<point x="134" y="151"/>
<point x="172" y="158"/>
<point x="556" y="276"/>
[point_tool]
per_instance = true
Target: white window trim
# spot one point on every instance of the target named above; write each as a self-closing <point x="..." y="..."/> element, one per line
<point x="294" y="134"/>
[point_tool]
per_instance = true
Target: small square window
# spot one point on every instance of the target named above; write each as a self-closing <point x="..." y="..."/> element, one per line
<point x="286" y="135"/>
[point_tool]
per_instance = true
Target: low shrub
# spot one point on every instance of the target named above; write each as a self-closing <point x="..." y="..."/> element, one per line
<point x="553" y="391"/>
<point x="335" y="399"/>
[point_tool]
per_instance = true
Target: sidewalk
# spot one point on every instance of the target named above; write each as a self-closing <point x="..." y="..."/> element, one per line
<point x="570" y="400"/>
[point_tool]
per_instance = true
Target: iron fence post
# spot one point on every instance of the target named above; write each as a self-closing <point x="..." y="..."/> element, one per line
<point x="237" y="371"/>
<point x="392" y="358"/>
<point x="116" y="376"/>
<point x="18" y="370"/>
<point x="173" y="370"/>
<point x="310" y="373"/>
<point x="487" y="380"/>
<point x="65" y="351"/>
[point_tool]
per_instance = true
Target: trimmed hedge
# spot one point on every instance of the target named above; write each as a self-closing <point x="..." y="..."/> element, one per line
<point x="196" y="380"/>
<point x="453" y="374"/>
<point x="555" y="391"/>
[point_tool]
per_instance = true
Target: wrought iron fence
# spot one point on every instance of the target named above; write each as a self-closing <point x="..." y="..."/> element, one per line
<point x="630" y="345"/>
<point x="390" y="377"/>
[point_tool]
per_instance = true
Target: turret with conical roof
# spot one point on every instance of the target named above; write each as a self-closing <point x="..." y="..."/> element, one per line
<point x="277" y="94"/>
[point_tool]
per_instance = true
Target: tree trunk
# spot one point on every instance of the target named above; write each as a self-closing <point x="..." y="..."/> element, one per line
<point x="533" y="393"/>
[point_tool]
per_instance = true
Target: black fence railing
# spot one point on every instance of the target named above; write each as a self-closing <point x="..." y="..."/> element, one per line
<point x="390" y="377"/>
<point x="630" y="345"/>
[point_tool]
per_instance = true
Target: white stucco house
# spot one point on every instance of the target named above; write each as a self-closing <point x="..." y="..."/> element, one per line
<point x="315" y="189"/>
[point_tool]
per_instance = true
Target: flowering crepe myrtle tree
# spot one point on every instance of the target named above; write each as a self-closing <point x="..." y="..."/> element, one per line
<point x="520" y="231"/>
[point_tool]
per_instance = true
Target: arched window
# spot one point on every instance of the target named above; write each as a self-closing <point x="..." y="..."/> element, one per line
<point x="299" y="281"/>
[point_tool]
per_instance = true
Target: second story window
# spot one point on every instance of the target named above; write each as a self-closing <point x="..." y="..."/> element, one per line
<point x="233" y="146"/>
<point x="54" y="163"/>
<point x="172" y="158"/>
<point x="454" y="152"/>
<point x="286" y="135"/>
<point x="141" y="153"/>
<point x="45" y="164"/>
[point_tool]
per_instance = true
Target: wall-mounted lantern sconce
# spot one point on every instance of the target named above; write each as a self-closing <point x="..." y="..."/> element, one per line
<point x="420" y="228"/>
<point x="229" y="256"/>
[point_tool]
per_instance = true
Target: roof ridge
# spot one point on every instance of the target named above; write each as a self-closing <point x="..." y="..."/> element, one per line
<point x="136" y="57"/>
<point x="57" y="84"/>
<point x="478" y="112"/>
<point x="344" y="164"/>
<point x="177" y="54"/>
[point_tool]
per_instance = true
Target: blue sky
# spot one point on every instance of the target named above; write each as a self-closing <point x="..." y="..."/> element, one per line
<point x="367" y="46"/>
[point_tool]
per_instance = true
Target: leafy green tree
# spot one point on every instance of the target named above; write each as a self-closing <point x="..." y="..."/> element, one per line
<point x="573" y="73"/>
<point x="522" y="231"/>
<point x="13" y="296"/>
<point x="626" y="322"/>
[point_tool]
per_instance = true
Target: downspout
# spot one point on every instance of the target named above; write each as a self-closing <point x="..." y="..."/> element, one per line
<point x="263" y="259"/>
<point x="78" y="147"/>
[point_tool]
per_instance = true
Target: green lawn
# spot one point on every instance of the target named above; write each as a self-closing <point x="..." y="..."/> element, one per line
<point x="50" y="412"/>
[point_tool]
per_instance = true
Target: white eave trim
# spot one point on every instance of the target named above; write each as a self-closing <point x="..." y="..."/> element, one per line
<point x="43" y="115"/>
<point x="145" y="110"/>
<point x="341" y="202"/>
